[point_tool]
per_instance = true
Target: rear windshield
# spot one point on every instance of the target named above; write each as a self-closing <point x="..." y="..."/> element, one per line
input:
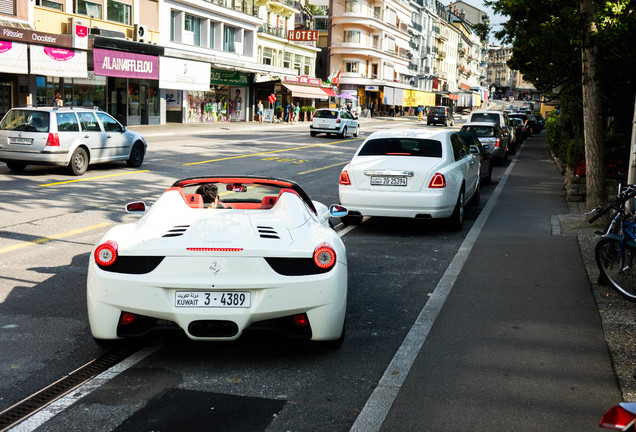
<point x="437" y="110"/>
<point x="402" y="147"/>
<point x="326" y="114"/>
<point x="26" y="120"/>
<point x="480" y="131"/>
<point x="484" y="117"/>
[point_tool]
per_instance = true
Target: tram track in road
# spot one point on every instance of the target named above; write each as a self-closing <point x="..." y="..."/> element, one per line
<point x="44" y="397"/>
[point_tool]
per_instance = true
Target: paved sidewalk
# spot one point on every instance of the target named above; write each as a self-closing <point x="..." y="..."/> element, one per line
<point x="518" y="343"/>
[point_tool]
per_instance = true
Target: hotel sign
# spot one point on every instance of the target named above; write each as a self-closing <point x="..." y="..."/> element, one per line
<point x="303" y="35"/>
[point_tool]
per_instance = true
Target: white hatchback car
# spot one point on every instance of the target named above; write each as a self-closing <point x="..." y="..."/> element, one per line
<point x="334" y="121"/>
<point x="411" y="173"/>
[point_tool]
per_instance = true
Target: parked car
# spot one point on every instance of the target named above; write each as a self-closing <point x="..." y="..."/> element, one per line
<point x="334" y="121"/>
<point x="540" y="121"/>
<point x="499" y="117"/>
<point x="483" y="154"/>
<point x="527" y="120"/>
<point x="73" y="137"/>
<point x="521" y="132"/>
<point x="410" y="173"/>
<point x="491" y="136"/>
<point x="263" y="259"/>
<point x="439" y="115"/>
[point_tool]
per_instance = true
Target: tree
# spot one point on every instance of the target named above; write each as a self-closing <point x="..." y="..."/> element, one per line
<point x="573" y="51"/>
<point x="482" y="30"/>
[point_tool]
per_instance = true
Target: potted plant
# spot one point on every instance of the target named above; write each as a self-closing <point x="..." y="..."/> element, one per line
<point x="309" y="112"/>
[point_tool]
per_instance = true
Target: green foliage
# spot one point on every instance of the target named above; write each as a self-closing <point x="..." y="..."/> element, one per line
<point x="307" y="109"/>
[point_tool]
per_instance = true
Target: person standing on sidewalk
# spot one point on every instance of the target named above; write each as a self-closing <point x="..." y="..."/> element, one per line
<point x="296" y="113"/>
<point x="259" y="111"/>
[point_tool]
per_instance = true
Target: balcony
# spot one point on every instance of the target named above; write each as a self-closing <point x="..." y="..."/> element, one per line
<point x="246" y="6"/>
<point x="272" y="30"/>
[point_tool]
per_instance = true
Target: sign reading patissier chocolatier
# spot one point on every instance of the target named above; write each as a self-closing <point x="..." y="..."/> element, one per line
<point x="35" y="37"/>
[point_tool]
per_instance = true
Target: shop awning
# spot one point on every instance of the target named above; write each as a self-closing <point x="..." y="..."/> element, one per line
<point x="13" y="57"/>
<point x="58" y="62"/>
<point x="328" y="91"/>
<point x="403" y="70"/>
<point x="306" y="92"/>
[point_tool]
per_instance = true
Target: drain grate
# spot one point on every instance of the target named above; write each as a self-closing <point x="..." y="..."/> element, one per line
<point x="42" y="398"/>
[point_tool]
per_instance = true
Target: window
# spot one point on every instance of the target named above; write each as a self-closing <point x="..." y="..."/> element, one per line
<point x="298" y="63"/>
<point x="211" y="34"/>
<point x="50" y="4"/>
<point x="120" y="12"/>
<point x="287" y="61"/>
<point x="67" y="122"/>
<point x="402" y="147"/>
<point x="377" y="12"/>
<point x="193" y="24"/>
<point x="351" y="67"/>
<point x="109" y="123"/>
<point x="173" y="20"/>
<point x="268" y="56"/>
<point x="320" y="23"/>
<point x="93" y="10"/>
<point x="228" y="39"/>
<point x="460" y="150"/>
<point x="351" y="36"/>
<point x="307" y="69"/>
<point x="89" y="122"/>
<point x="376" y="42"/>
<point x="353" y="6"/>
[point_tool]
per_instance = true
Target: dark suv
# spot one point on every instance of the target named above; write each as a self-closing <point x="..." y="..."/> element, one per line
<point x="439" y="115"/>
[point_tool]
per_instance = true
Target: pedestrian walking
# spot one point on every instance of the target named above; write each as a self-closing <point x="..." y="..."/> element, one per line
<point x="259" y="111"/>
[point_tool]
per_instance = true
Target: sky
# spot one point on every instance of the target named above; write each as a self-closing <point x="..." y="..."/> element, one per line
<point x="495" y="20"/>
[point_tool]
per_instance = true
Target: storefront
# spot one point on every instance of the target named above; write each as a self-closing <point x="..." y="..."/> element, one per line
<point x="301" y="91"/>
<point x="132" y="83"/>
<point x="179" y="78"/>
<point x="225" y="100"/>
<point x="35" y="66"/>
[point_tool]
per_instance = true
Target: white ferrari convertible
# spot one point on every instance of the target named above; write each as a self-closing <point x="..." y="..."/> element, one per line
<point x="215" y="257"/>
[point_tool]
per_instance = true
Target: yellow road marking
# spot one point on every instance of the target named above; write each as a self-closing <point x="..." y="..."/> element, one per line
<point x="93" y="178"/>
<point x="270" y="152"/>
<point x="325" y="167"/>
<point x="54" y="237"/>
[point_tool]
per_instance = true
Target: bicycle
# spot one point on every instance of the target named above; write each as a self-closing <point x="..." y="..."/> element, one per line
<point x="615" y="252"/>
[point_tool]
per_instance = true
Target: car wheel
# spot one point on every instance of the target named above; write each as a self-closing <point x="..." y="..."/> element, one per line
<point x="445" y="123"/>
<point x="343" y="134"/>
<point x="456" y="221"/>
<point x="16" y="166"/>
<point x="351" y="220"/>
<point x="136" y="155"/>
<point x="79" y="162"/>
<point x="313" y="134"/>
<point x="357" y="132"/>
<point x="474" y="202"/>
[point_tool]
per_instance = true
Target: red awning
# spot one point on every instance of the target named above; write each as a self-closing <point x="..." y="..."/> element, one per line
<point x="328" y="91"/>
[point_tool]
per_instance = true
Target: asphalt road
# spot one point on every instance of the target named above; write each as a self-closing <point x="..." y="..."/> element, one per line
<point x="50" y="223"/>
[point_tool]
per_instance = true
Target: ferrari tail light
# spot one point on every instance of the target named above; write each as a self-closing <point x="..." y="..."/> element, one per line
<point x="106" y="253"/>
<point x="324" y="256"/>
<point x="53" y="140"/>
<point x="497" y="142"/>
<point x="344" y="178"/>
<point x="617" y="418"/>
<point x="438" y="181"/>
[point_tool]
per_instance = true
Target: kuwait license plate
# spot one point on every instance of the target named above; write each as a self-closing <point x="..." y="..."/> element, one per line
<point x="26" y="141"/>
<point x="212" y="299"/>
<point x="388" y="181"/>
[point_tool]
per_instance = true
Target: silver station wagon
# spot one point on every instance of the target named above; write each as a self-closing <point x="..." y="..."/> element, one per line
<point x="66" y="136"/>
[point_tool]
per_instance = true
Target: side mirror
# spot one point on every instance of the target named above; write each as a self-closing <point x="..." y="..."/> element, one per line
<point x="338" y="211"/>
<point x="474" y="150"/>
<point x="138" y="207"/>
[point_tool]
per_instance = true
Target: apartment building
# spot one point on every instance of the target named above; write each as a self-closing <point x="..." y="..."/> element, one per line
<point x="369" y="46"/>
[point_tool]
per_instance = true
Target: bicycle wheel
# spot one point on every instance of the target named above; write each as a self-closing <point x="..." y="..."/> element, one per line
<point x="608" y="259"/>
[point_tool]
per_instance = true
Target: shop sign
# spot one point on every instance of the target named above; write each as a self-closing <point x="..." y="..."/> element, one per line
<point x="303" y="35"/>
<point x="13" y="57"/>
<point x="80" y="34"/>
<point x="302" y="80"/>
<point x="35" y="37"/>
<point x="225" y="77"/>
<point x="372" y="88"/>
<point x="125" y="64"/>
<point x="183" y="74"/>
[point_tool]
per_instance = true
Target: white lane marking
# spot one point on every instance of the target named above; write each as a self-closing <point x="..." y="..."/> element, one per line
<point x="381" y="400"/>
<point x="53" y="409"/>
